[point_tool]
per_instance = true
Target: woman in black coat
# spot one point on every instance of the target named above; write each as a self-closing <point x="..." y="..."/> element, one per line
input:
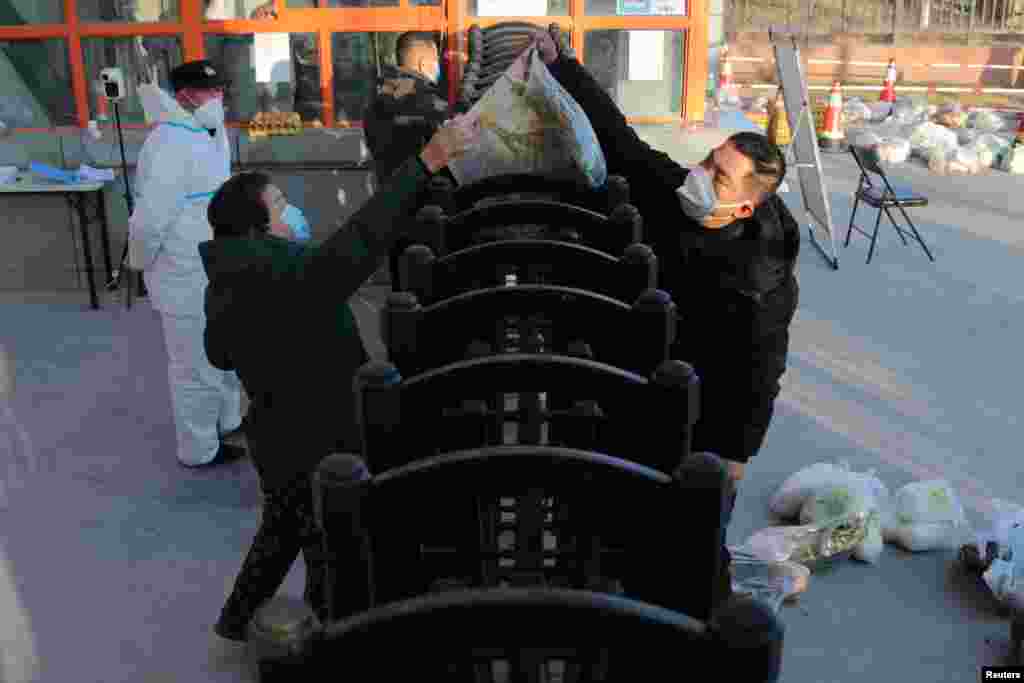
<point x="264" y="292"/>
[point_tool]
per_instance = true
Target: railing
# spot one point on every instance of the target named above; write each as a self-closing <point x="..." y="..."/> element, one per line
<point x="879" y="17"/>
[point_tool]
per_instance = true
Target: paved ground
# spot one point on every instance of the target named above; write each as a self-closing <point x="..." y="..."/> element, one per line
<point x="122" y="559"/>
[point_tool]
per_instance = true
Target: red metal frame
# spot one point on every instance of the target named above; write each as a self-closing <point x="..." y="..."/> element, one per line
<point x="449" y="18"/>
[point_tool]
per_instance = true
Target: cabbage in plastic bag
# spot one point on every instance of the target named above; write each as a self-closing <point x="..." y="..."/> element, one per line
<point x="906" y="111"/>
<point x="770" y="582"/>
<point x="811" y="544"/>
<point x="530" y="124"/>
<point x="894" y="150"/>
<point x="992" y="150"/>
<point x="997" y="524"/>
<point x="855" y="110"/>
<point x="787" y="501"/>
<point x="988" y="121"/>
<point x="929" y="137"/>
<point x="926" y="515"/>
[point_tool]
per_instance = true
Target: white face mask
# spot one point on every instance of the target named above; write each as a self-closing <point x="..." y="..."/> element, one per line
<point x="211" y="114"/>
<point x="697" y="195"/>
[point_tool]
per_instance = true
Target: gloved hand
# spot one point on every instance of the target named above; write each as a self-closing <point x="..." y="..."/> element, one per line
<point x="281" y="229"/>
<point x="547" y="43"/>
<point x="456" y="137"/>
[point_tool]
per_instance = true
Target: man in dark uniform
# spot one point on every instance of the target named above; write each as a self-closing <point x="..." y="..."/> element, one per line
<point x="408" y="109"/>
<point x="727" y="247"/>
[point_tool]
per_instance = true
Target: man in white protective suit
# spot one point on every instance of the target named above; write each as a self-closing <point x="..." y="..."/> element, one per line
<point x="185" y="159"/>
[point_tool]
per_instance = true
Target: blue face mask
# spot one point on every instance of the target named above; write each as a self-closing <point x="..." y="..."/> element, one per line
<point x="297" y="222"/>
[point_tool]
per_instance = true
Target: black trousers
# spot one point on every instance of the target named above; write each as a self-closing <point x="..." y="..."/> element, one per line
<point x="288" y="527"/>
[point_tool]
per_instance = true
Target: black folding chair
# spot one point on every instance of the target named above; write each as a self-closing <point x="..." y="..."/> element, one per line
<point x="525" y="219"/>
<point x="648" y="420"/>
<point x="567" y="188"/>
<point x="538" y="318"/>
<point x="882" y="195"/>
<point x="523" y="515"/>
<point x="624" y="277"/>
<point x="528" y="635"/>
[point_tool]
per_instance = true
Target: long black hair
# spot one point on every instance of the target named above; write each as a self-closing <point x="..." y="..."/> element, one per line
<point x="237" y="208"/>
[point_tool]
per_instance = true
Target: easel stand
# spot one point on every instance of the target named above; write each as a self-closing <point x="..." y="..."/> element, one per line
<point x="803" y="153"/>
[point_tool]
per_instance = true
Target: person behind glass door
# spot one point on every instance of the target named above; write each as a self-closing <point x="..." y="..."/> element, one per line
<point x="408" y="109"/>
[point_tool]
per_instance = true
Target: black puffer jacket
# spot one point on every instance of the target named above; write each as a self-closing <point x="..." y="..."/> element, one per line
<point x="735" y="288"/>
<point x="406" y="112"/>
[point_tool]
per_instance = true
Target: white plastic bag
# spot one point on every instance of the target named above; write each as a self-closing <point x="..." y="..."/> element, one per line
<point x="771" y="582"/>
<point x="964" y="161"/>
<point x="988" y="121"/>
<point x="906" y="111"/>
<point x="787" y="501"/>
<point x="967" y="136"/>
<point x="928" y="138"/>
<point x="530" y="124"/>
<point x="992" y="150"/>
<point x="996" y="525"/>
<point x="925" y="515"/>
<point x="1015" y="160"/>
<point x="808" y="544"/>
<point x="894" y="150"/>
<point x="880" y="110"/>
<point x="1005" y="576"/>
<point x="855" y="110"/>
<point x="862" y="494"/>
<point x="864" y="138"/>
<point x="870" y="550"/>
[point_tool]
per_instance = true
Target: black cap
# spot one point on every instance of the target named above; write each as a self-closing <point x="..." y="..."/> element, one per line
<point x="198" y="74"/>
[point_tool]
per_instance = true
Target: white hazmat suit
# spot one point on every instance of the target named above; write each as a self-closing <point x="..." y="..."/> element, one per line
<point x="179" y="169"/>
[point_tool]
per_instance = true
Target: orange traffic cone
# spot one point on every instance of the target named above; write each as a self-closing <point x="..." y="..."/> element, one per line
<point x="889" y="85"/>
<point x="831" y="138"/>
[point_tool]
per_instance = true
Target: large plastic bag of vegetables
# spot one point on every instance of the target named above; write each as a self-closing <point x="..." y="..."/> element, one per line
<point x="530" y="124"/>
<point x="812" y="545"/>
<point x="770" y="582"/>
<point x="925" y="515"/>
<point x="853" y="498"/>
<point x="1005" y="576"/>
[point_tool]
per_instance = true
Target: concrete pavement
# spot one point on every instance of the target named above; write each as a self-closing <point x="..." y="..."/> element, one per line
<point x="122" y="558"/>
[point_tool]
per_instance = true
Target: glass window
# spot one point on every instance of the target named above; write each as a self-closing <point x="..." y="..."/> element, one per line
<point x="220" y="10"/>
<point x="18" y="12"/>
<point x="358" y="58"/>
<point x="36" y="84"/>
<point x="641" y="70"/>
<point x="269" y="72"/>
<point x="153" y="55"/>
<point x="128" y="10"/>
<point x="634" y="7"/>
<point x="518" y="8"/>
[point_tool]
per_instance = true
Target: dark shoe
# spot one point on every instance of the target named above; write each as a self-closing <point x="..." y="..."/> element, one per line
<point x="225" y="454"/>
<point x="237" y="437"/>
<point x="235" y="632"/>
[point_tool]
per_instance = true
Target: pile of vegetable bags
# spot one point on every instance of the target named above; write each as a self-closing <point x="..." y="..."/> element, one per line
<point x="949" y="139"/>
<point x="841" y="511"/>
<point x="1000" y="540"/>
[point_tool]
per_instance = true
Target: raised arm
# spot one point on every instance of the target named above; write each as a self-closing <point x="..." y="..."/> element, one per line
<point x="340" y="266"/>
<point x="624" y="151"/>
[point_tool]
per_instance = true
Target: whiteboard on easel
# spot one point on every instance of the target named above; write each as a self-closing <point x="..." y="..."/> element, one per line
<point x="804" y="151"/>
